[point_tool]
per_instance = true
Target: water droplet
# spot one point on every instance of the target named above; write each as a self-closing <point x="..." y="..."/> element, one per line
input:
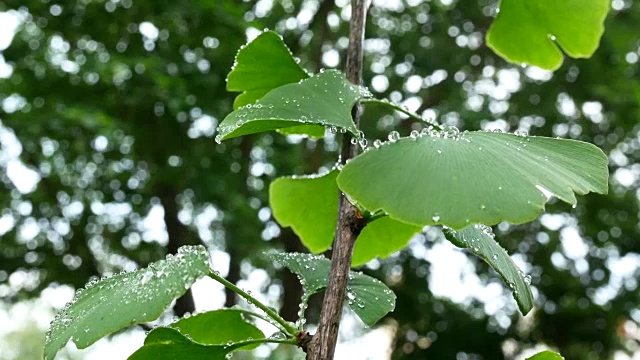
<point x="333" y="129"/>
<point x="394" y="136"/>
<point x="450" y="132"/>
<point x="377" y="143"/>
<point x="527" y="279"/>
<point x="414" y="134"/>
<point x="435" y="218"/>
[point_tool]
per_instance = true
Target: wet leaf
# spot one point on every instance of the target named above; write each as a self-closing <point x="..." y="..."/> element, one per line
<point x="368" y="297"/>
<point x="312" y="131"/>
<point x="165" y="343"/>
<point x="546" y="355"/>
<point x="218" y="327"/>
<point x="530" y="31"/>
<point x="125" y="299"/>
<point x="309" y="205"/>
<point x="381" y="238"/>
<point x="481" y="241"/>
<point x="261" y="66"/>
<point x="325" y="99"/>
<point x="474" y="177"/>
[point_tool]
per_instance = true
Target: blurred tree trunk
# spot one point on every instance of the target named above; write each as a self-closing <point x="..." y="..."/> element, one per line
<point x="290" y="284"/>
<point x="178" y="236"/>
<point x="233" y="276"/>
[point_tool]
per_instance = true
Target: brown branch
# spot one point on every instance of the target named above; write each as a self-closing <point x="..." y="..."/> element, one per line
<point x="323" y="343"/>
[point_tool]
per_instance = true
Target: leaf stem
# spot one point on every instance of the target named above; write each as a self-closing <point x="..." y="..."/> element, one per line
<point x="375" y="216"/>
<point x="401" y="109"/>
<point x="289" y="328"/>
<point x="262" y="317"/>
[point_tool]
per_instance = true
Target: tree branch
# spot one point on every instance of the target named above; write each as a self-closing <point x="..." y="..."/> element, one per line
<point x="323" y="344"/>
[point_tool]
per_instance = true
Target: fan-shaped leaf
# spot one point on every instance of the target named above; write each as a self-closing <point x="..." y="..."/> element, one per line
<point x="218" y="327"/>
<point x="381" y="238"/>
<point x="125" y="299"/>
<point x="475" y="177"/>
<point x="368" y="297"/>
<point x="312" y="131"/>
<point x="526" y="31"/>
<point x="165" y="343"/>
<point x="309" y="205"/>
<point x="261" y="66"/>
<point x="325" y="99"/>
<point x="546" y="355"/>
<point x="481" y="240"/>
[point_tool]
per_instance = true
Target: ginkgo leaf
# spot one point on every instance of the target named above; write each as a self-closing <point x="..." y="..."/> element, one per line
<point x="458" y="179"/>
<point x="164" y="343"/>
<point x="381" y="238"/>
<point x="218" y="327"/>
<point x="368" y="297"/>
<point x="530" y="31"/>
<point x="546" y="355"/>
<point x="325" y="99"/>
<point x="312" y="131"/>
<point x="309" y="205"/>
<point x="481" y="241"/>
<point x="261" y="66"/>
<point x="110" y="304"/>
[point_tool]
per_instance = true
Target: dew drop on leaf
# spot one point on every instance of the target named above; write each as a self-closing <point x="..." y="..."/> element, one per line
<point x="393" y="136"/>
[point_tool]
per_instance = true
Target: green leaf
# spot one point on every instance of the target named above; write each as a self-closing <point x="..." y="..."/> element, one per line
<point x="546" y="355"/>
<point x="309" y="205"/>
<point x="474" y="177"/>
<point x="312" y="270"/>
<point x="218" y="327"/>
<point x="481" y="240"/>
<point x="368" y="297"/>
<point x="381" y="238"/>
<point x="325" y="99"/>
<point x="523" y="29"/>
<point x="261" y="66"/>
<point x="165" y="343"/>
<point x="125" y="299"/>
<point x="312" y="131"/>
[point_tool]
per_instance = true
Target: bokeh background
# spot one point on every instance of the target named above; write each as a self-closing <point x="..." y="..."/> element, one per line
<point x="108" y="112"/>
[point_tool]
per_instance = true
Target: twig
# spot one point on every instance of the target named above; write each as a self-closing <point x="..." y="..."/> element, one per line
<point x="323" y="343"/>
